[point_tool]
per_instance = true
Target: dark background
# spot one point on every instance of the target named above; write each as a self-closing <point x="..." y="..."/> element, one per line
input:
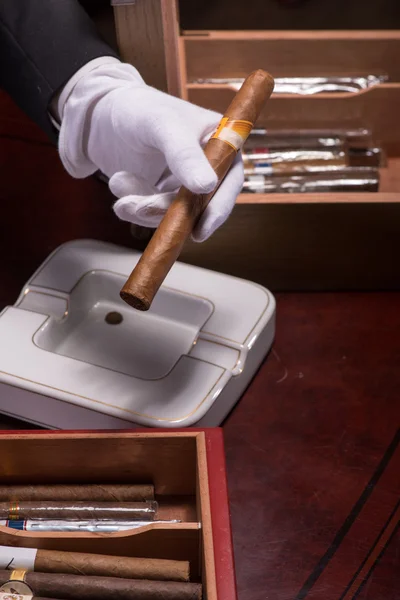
<point x="282" y="14"/>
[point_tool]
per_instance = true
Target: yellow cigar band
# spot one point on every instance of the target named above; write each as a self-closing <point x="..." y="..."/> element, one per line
<point x="18" y="575"/>
<point x="13" y="511"/>
<point x="233" y="132"/>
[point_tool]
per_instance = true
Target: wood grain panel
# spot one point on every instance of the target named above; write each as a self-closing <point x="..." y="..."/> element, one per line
<point x="291" y="53"/>
<point x="147" y="35"/>
<point x="297" y="246"/>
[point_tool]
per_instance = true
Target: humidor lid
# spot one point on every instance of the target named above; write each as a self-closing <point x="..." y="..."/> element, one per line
<point x="71" y="337"/>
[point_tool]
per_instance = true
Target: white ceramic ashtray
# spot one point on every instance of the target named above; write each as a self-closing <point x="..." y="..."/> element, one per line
<point x="73" y="355"/>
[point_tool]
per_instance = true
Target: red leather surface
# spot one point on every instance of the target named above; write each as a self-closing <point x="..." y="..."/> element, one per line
<point x="313" y="454"/>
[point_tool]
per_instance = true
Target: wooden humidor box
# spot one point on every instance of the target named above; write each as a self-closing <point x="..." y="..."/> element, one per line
<point x="288" y="241"/>
<point x="308" y="241"/>
<point x="187" y="469"/>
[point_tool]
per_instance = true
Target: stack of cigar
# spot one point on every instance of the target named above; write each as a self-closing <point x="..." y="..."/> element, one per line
<point x="105" y="508"/>
<point x="53" y="574"/>
<point x="311" y="161"/>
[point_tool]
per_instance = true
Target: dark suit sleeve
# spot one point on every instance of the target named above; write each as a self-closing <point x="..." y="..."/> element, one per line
<point x="42" y="44"/>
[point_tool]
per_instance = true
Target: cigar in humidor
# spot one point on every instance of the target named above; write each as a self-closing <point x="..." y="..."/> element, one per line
<point x="270" y="162"/>
<point x="357" y="137"/>
<point x="82" y="587"/>
<point x="76" y="563"/>
<point x="291" y="168"/>
<point x="308" y="86"/>
<point x="92" y="492"/>
<point x="291" y="141"/>
<point x="185" y="211"/>
<point x="93" y="526"/>
<point x="296" y="155"/>
<point x="348" y="180"/>
<point x="127" y="511"/>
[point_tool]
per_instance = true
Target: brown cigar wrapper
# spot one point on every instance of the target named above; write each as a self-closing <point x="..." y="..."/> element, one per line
<point x="77" y="563"/>
<point x="81" y="587"/>
<point x="182" y="216"/>
<point x="97" y="493"/>
<point x="128" y="511"/>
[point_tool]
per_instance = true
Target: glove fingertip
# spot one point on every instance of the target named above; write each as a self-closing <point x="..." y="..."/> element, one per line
<point x="202" y="181"/>
<point x="125" y="209"/>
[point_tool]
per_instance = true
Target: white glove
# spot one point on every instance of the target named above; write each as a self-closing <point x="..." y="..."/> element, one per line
<point x="148" y="143"/>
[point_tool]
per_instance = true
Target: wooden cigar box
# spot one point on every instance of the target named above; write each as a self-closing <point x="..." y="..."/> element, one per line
<point x="287" y="241"/>
<point x="187" y="470"/>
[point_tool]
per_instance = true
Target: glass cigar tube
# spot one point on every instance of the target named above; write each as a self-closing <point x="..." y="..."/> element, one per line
<point x="88" y="525"/>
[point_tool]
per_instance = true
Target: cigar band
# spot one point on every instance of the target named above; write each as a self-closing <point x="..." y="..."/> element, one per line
<point x="18" y="575"/>
<point x="13" y="511"/>
<point x="233" y="132"/>
<point x="16" y="584"/>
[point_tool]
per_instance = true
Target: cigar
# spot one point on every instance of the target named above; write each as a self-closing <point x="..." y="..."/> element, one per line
<point x="348" y="180"/>
<point x="82" y="587"/>
<point x="292" y="168"/>
<point x="359" y="137"/>
<point x="129" y="511"/>
<point x="77" y="563"/>
<point x="290" y="141"/>
<point x="308" y="86"/>
<point x="183" y="214"/>
<point x="93" y="526"/>
<point x="269" y="162"/>
<point x="97" y="492"/>
<point x="299" y="155"/>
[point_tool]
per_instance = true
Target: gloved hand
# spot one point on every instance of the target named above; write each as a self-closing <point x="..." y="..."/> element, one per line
<point x="147" y="143"/>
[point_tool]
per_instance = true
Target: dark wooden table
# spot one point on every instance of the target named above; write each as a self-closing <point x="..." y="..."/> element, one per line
<point x="312" y="448"/>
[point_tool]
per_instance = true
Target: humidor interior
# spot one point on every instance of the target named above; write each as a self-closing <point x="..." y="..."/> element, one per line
<point x="291" y="242"/>
<point x="175" y="463"/>
<point x="306" y="242"/>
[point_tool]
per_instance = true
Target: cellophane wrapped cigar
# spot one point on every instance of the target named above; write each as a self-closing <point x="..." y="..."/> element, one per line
<point x="278" y="138"/>
<point x="92" y="492"/>
<point x="307" y="86"/>
<point x="81" y="587"/>
<point x="266" y="161"/>
<point x="291" y="141"/>
<point x="127" y="511"/>
<point x="93" y="526"/>
<point x="76" y="563"/>
<point x="349" y="180"/>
